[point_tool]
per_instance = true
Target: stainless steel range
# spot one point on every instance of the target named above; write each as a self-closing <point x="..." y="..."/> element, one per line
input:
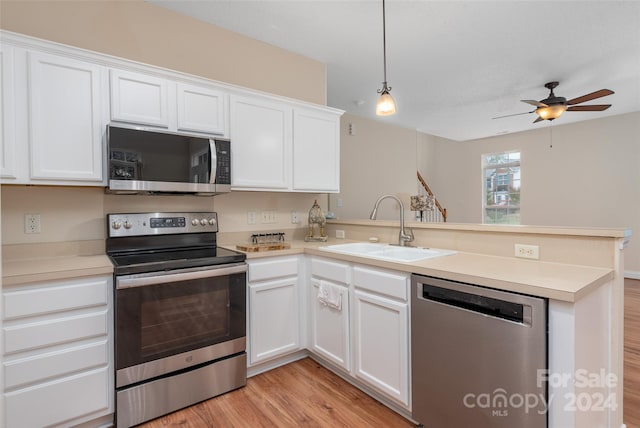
<point x="180" y="313"/>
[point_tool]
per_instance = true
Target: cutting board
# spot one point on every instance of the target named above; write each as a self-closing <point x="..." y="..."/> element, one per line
<point x="253" y="248"/>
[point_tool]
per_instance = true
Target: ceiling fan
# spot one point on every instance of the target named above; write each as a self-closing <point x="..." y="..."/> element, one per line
<point x="552" y="107"/>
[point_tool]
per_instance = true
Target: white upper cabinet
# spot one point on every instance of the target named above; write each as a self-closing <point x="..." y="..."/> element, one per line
<point x="260" y="144"/>
<point x="139" y="98"/>
<point x="200" y="109"/>
<point x="65" y="118"/>
<point x="316" y="151"/>
<point x="279" y="146"/>
<point x="147" y="100"/>
<point x="56" y="101"/>
<point x="7" y="114"/>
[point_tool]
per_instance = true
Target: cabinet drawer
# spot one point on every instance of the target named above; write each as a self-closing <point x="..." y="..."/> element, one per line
<point x="393" y="284"/>
<point x="58" y="297"/>
<point x="334" y="271"/>
<point x="272" y="268"/>
<point x="55" y="364"/>
<point x="60" y="401"/>
<point x="53" y="331"/>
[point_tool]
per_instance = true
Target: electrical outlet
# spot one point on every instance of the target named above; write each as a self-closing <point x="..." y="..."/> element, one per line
<point x="527" y="251"/>
<point x="32" y="223"/>
<point x="340" y="234"/>
<point x="251" y="217"/>
<point x="295" y="217"/>
<point x="269" y="216"/>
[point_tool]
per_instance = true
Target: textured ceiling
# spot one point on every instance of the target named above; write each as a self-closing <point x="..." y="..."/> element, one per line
<point x="453" y="65"/>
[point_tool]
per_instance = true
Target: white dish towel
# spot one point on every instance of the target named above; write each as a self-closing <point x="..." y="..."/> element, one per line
<point x="329" y="295"/>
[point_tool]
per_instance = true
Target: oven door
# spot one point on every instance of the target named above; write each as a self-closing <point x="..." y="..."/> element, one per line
<point x="170" y="320"/>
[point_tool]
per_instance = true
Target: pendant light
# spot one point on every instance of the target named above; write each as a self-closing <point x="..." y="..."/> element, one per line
<point x="386" y="105"/>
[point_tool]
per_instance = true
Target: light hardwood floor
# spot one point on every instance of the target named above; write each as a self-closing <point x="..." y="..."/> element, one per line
<point x="300" y="394"/>
<point x="304" y="394"/>
<point x="632" y="353"/>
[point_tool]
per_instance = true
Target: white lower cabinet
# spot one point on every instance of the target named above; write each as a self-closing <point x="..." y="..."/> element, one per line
<point x="381" y="350"/>
<point x="273" y="317"/>
<point x="330" y="336"/>
<point x="57" y="360"/>
<point x="369" y="337"/>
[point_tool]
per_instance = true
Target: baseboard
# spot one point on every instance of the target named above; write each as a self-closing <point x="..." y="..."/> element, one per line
<point x="276" y="362"/>
<point x="632" y="274"/>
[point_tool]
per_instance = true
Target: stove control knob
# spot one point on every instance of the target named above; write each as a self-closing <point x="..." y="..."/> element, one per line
<point x="212" y="221"/>
<point x="204" y="222"/>
<point x="116" y="225"/>
<point x="195" y="222"/>
<point x="127" y="225"/>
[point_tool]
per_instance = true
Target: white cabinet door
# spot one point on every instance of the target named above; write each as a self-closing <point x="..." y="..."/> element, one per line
<point x="330" y="336"/>
<point x="261" y="144"/>
<point x="139" y="98"/>
<point x="200" y="109"/>
<point x="7" y="114"/>
<point x="316" y="151"/>
<point x="274" y="319"/>
<point x="66" y="123"/>
<point x="381" y="336"/>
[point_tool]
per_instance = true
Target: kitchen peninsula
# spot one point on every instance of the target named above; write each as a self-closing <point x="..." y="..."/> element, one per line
<point x="579" y="271"/>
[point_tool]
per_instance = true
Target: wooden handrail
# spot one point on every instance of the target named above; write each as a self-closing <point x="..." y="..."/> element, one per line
<point x="443" y="211"/>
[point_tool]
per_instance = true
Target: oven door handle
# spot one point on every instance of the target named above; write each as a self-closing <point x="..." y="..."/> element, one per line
<point x="141" y="280"/>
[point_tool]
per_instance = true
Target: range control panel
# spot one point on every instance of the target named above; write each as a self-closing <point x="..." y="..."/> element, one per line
<point x="140" y="224"/>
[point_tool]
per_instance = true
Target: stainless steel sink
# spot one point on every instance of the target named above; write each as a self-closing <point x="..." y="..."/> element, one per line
<point x="387" y="252"/>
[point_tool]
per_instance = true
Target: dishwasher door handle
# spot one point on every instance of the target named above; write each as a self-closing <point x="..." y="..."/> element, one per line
<point x="497" y="308"/>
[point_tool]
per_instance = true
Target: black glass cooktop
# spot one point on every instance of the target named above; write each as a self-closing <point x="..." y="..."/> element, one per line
<point x="171" y="259"/>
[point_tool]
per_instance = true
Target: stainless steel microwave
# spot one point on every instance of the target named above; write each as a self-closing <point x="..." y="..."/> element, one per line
<point x="150" y="161"/>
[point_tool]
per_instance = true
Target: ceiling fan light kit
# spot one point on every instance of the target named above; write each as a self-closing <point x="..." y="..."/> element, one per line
<point x="551" y="112"/>
<point x="386" y="105"/>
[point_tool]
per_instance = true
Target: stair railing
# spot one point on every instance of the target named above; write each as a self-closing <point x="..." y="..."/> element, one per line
<point x="432" y="216"/>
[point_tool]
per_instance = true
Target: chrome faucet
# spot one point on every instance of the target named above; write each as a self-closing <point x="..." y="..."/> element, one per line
<point x="404" y="238"/>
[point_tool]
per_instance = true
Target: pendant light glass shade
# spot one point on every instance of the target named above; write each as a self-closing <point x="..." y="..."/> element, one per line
<point x="386" y="104"/>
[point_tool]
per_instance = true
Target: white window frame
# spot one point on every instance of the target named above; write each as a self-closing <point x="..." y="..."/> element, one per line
<point x="510" y="164"/>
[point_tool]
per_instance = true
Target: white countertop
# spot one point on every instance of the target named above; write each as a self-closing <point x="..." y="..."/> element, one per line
<point x="558" y="281"/>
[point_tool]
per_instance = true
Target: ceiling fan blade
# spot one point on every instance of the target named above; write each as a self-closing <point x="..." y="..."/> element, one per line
<point x="539" y="119"/>
<point x="591" y="96"/>
<point x="535" y="103"/>
<point x="594" y="107"/>
<point x="515" y="114"/>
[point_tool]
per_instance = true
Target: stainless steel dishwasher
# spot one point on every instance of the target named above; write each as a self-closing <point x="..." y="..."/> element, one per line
<point x="478" y="356"/>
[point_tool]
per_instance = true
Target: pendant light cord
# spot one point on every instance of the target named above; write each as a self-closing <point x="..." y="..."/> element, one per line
<point x="384" y="43"/>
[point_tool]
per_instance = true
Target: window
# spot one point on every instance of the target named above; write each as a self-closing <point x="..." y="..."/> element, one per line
<point x="501" y="202"/>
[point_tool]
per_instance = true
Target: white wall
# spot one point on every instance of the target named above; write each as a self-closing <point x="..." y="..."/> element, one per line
<point x="589" y="178"/>
<point x="379" y="159"/>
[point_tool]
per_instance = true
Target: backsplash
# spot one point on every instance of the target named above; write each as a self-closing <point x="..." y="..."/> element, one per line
<point x="78" y="213"/>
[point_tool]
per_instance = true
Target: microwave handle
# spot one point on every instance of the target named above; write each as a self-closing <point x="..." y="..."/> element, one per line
<point x="214" y="161"/>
